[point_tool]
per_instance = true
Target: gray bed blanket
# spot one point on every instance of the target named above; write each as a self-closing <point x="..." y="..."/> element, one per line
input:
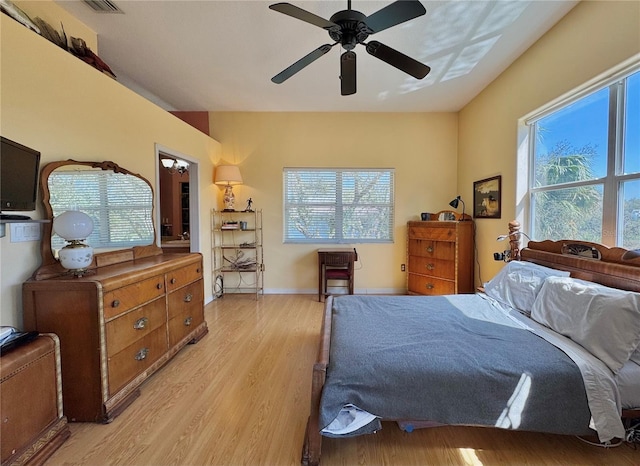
<point x="424" y="358"/>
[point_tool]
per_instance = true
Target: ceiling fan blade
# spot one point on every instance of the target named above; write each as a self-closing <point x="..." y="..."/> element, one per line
<point x="348" y="73"/>
<point x="303" y="15"/>
<point x="396" y="13"/>
<point x="300" y="64"/>
<point x="397" y="59"/>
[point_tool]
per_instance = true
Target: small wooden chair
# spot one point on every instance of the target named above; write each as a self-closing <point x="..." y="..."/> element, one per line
<point x="337" y="266"/>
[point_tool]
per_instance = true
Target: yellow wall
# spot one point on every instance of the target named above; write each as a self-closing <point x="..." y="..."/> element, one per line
<point x="421" y="147"/>
<point x="53" y="102"/>
<point x="57" y="104"/>
<point x="590" y="39"/>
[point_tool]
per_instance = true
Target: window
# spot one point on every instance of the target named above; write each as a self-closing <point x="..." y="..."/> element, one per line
<point x="585" y="166"/>
<point x="119" y="205"/>
<point x="335" y="205"/>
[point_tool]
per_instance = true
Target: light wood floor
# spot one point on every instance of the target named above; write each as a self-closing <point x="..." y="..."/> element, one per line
<point x="241" y="397"/>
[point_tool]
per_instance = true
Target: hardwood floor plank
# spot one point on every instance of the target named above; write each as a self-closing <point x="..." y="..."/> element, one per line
<point x="241" y="397"/>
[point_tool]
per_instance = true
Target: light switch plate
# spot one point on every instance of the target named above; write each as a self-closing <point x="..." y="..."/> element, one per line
<point x="23" y="232"/>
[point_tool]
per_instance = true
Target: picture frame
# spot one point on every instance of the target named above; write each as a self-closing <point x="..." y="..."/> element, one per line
<point x="487" y="198"/>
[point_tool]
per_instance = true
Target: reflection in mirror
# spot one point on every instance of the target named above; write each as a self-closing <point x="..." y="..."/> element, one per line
<point x="119" y="202"/>
<point x="120" y="205"/>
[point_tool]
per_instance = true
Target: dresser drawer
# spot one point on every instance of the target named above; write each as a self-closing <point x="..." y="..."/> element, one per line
<point x="122" y="299"/>
<point x="186" y="299"/>
<point x="432" y="267"/>
<point x="126" y="329"/>
<point x="182" y="324"/>
<point x="441" y="233"/>
<point x="434" y="249"/>
<point x="180" y="277"/>
<point x="429" y="285"/>
<point x="136" y="358"/>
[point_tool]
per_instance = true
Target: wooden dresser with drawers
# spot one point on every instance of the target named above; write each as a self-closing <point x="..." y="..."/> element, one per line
<point x="117" y="325"/>
<point x="440" y="257"/>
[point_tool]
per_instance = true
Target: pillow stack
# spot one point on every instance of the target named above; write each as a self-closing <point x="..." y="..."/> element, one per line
<point x="518" y="283"/>
<point x="605" y="321"/>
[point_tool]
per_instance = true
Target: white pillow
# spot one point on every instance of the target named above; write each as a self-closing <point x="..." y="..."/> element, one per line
<point x="605" y="321"/>
<point x="518" y="284"/>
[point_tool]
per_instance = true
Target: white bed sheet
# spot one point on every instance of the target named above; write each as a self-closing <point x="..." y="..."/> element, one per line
<point x="602" y="390"/>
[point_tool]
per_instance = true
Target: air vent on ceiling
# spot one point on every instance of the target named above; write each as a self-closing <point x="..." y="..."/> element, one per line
<point x="103" y="6"/>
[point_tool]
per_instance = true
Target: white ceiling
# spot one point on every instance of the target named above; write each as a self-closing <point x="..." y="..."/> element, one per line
<point x="220" y="55"/>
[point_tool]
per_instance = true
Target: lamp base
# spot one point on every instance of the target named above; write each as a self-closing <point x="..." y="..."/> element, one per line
<point x="76" y="257"/>
<point x="229" y="210"/>
<point x="229" y="199"/>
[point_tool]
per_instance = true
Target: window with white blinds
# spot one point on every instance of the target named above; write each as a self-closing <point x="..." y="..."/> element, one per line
<point x="120" y="206"/>
<point x="338" y="205"/>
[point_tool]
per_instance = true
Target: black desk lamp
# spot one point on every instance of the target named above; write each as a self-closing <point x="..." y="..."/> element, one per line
<point x="455" y="203"/>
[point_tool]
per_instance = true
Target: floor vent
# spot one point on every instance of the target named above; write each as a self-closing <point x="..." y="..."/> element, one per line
<point x="103" y="6"/>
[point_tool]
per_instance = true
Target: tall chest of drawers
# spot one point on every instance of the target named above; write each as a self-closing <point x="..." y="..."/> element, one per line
<point x="440" y="257"/>
<point x="117" y="325"/>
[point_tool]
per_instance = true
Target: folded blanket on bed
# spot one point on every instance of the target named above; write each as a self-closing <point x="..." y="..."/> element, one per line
<point x="423" y="358"/>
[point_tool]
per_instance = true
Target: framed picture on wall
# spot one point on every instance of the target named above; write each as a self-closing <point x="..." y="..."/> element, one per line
<point x="487" y="200"/>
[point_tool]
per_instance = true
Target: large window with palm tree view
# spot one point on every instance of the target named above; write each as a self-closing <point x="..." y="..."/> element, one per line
<point x="338" y="205"/>
<point x="585" y="166"/>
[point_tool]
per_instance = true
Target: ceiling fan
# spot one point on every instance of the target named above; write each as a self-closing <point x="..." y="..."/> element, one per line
<point x="350" y="28"/>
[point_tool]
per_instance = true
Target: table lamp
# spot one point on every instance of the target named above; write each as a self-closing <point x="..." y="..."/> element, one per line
<point x="74" y="226"/>
<point x="228" y="175"/>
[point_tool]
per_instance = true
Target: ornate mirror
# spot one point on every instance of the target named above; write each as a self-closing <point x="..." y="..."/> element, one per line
<point x="119" y="202"/>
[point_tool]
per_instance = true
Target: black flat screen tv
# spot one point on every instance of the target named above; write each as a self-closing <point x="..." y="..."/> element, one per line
<point x="19" y="167"/>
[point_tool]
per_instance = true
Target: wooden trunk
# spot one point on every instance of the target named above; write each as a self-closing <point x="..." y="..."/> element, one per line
<point x="33" y="425"/>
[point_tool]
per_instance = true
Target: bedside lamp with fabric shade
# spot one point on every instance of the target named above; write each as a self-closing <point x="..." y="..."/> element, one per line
<point x="228" y="175"/>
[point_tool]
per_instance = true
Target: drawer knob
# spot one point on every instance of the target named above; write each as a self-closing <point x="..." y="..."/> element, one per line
<point x="198" y="270"/>
<point x="115" y="303"/>
<point x="187" y="321"/>
<point x="159" y="286"/>
<point x="142" y="354"/>
<point x="173" y="281"/>
<point x="188" y="297"/>
<point x="430" y="249"/>
<point x="141" y="323"/>
<point x="429" y="286"/>
<point x="430" y="266"/>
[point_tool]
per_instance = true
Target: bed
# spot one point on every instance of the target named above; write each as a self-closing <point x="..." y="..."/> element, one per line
<point x="532" y="352"/>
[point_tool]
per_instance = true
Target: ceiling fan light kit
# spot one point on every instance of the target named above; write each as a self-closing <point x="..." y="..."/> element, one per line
<point x="350" y="28"/>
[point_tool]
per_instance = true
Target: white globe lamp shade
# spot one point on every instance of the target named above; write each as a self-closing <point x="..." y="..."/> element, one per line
<point x="73" y="225"/>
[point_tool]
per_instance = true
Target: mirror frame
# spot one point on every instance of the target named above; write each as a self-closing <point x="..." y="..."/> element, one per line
<point x="50" y="267"/>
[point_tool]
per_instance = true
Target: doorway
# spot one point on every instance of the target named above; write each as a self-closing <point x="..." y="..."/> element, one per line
<point x="177" y="217"/>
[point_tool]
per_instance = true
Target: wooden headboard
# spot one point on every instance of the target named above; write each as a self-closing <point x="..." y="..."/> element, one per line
<point x="588" y="261"/>
<point x="607" y="269"/>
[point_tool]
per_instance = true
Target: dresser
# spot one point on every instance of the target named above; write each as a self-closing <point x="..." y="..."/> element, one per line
<point x="440" y="257"/>
<point x="117" y="325"/>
